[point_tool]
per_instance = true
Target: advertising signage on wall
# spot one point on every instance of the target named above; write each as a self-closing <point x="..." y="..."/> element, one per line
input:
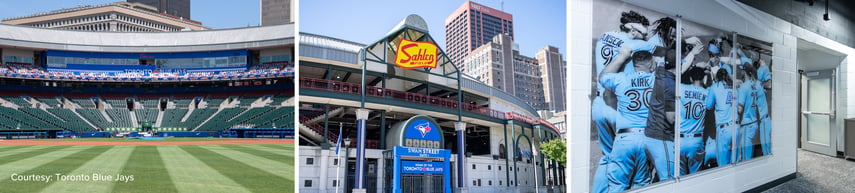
<point x="420" y="167"/>
<point x="713" y="103"/>
<point x="416" y="54"/>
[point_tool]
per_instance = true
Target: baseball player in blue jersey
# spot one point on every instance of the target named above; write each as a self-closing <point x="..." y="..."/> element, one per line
<point x="633" y="28"/>
<point x="765" y="124"/>
<point x="720" y="99"/>
<point x="627" y="163"/>
<point x="694" y="103"/>
<point x="749" y="115"/>
<point x="763" y="74"/>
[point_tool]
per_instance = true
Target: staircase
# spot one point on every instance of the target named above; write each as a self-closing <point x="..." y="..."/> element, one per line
<point x="310" y="126"/>
<point x="134" y="121"/>
<point x="334" y="112"/>
<point x="87" y="121"/>
<point x="159" y="119"/>
<point x="208" y="119"/>
<point x="314" y="131"/>
<point x="106" y="116"/>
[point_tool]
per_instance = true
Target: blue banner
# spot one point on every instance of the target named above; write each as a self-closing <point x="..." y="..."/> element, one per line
<point x="420" y="167"/>
<point x="422" y="152"/>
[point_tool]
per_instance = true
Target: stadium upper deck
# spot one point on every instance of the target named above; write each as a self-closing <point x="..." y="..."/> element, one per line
<point x="228" y="54"/>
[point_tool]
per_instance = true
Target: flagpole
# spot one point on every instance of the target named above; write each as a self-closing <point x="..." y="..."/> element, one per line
<point x="338" y="157"/>
<point x="534" y="154"/>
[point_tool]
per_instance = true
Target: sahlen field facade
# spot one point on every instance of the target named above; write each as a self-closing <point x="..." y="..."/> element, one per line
<point x="410" y="121"/>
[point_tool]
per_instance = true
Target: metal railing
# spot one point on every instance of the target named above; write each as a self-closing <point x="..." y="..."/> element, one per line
<point x="306" y="121"/>
<point x="353" y="88"/>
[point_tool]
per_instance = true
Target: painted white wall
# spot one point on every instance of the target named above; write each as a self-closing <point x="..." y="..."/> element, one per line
<point x="727" y="15"/>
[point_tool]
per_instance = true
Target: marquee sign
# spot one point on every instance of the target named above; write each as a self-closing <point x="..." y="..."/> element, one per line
<point x="416" y="54"/>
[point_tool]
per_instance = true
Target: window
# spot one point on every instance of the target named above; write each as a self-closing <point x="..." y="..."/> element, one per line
<point x="474" y="183"/>
<point x="310" y="161"/>
<point x="307" y="183"/>
<point x="479" y="182"/>
<point x="500" y="168"/>
<point x="335" y="161"/>
<point x="500" y="182"/>
<point x="473" y="166"/>
<point x="490" y="182"/>
<point x="489" y="167"/>
<point x="334" y="183"/>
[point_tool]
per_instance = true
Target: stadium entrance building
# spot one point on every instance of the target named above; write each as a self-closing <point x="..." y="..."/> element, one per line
<point x="214" y="83"/>
<point x="416" y="160"/>
<point x="398" y="100"/>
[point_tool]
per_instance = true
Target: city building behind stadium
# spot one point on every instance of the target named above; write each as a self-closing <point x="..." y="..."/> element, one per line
<point x="405" y="127"/>
<point x="221" y="83"/>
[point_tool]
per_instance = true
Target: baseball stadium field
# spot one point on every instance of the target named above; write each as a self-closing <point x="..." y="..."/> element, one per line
<point x="171" y="165"/>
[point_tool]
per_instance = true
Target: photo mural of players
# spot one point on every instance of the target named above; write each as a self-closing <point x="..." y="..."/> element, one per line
<point x="715" y="103"/>
<point x="754" y="98"/>
<point x="707" y="98"/>
<point x="633" y="97"/>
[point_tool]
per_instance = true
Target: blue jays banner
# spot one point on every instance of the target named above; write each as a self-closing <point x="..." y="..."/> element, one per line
<point x="418" y="131"/>
<point x="420" y="167"/>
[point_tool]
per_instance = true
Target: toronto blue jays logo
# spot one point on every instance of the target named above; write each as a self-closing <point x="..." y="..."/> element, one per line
<point x="423" y="128"/>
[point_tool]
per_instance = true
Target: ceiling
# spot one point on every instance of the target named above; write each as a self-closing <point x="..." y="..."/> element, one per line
<point x="813" y="57"/>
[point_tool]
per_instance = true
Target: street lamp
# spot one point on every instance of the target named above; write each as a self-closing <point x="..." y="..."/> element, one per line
<point x="346" y="157"/>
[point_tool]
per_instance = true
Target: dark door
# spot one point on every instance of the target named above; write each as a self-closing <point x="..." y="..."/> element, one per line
<point x="370" y="175"/>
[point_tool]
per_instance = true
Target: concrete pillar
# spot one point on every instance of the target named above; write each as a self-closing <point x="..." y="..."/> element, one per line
<point x="324" y="143"/>
<point x="460" y="128"/>
<point x="325" y="160"/>
<point x="361" y="117"/>
<point x="507" y="157"/>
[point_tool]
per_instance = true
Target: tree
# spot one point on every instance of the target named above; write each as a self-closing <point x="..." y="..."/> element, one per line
<point x="555" y="149"/>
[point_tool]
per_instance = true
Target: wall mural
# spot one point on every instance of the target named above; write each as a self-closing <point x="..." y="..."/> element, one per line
<point x="713" y="105"/>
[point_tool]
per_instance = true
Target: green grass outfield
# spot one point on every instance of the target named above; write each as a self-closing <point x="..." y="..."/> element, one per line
<point x="153" y="168"/>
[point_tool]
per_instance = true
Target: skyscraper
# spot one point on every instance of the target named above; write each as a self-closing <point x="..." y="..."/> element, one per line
<point x="498" y="63"/>
<point x="276" y="12"/>
<point x="473" y="25"/>
<point x="118" y="16"/>
<point x="180" y="8"/>
<point x="552" y="72"/>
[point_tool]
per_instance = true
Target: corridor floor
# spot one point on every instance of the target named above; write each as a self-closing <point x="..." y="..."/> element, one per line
<point x="819" y="173"/>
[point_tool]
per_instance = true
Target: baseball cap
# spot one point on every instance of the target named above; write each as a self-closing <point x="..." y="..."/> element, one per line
<point x="713" y="49"/>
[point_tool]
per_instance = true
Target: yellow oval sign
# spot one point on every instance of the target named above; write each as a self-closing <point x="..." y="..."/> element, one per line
<point x="416" y="54"/>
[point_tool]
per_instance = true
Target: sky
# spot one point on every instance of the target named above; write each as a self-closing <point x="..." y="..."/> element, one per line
<point x="536" y="23"/>
<point x="217" y="14"/>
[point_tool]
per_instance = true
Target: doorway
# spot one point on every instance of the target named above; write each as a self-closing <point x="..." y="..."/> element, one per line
<point x="820" y="125"/>
<point x="817" y="109"/>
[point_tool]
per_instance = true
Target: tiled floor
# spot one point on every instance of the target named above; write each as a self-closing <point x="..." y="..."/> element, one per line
<point x="820" y="173"/>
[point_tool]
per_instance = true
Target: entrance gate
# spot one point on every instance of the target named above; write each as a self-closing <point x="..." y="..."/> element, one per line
<point x="415" y="161"/>
<point x="417" y="170"/>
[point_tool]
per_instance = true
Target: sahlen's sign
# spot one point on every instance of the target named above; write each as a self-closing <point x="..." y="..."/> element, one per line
<point x="416" y="54"/>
